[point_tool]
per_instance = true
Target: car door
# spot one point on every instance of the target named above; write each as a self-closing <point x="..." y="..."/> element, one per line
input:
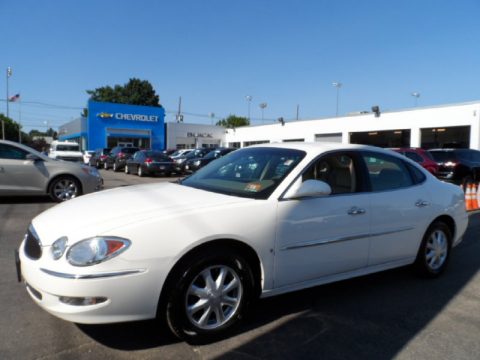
<point x="400" y="206"/>
<point x="19" y="175"/>
<point x="327" y="235"/>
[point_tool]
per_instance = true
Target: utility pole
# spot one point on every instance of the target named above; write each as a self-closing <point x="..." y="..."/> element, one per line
<point x="179" y="115"/>
<point x="338" y="85"/>
<point x="9" y="73"/>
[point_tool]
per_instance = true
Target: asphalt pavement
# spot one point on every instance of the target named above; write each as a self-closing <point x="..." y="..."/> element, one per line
<point x="389" y="315"/>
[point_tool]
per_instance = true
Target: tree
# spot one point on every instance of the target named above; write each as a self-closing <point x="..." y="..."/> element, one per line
<point x="233" y="121"/>
<point x="11" y="128"/>
<point x="135" y="92"/>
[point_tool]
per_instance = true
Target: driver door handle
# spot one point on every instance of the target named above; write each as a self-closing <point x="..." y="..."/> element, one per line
<point x="2" y="169"/>
<point x="356" y="211"/>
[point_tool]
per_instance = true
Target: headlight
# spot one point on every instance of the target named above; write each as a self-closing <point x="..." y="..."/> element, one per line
<point x="179" y="161"/>
<point x="58" y="247"/>
<point x="89" y="170"/>
<point x="196" y="162"/>
<point x="96" y="250"/>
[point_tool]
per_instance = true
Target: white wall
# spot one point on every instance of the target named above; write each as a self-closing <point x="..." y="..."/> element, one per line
<point x="414" y="119"/>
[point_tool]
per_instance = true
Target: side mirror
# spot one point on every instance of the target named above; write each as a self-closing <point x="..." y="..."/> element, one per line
<point x="33" y="157"/>
<point x="308" y="188"/>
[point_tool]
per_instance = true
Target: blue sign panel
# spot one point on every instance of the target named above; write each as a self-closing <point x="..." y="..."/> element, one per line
<point x="108" y="120"/>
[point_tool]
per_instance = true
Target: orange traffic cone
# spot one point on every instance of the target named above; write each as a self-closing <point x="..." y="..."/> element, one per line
<point x="468" y="197"/>
<point x="474" y="197"/>
<point x="478" y="196"/>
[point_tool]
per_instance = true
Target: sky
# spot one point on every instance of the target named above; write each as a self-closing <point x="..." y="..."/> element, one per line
<point x="213" y="53"/>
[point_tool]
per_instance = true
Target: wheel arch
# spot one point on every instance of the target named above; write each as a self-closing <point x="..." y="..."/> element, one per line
<point x="249" y="254"/>
<point x="449" y="221"/>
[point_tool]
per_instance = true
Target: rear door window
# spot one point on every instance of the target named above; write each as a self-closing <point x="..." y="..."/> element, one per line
<point x="386" y="172"/>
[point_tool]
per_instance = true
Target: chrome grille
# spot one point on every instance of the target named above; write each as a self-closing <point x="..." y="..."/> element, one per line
<point x="33" y="248"/>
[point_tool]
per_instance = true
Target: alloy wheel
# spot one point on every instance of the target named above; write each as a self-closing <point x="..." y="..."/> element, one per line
<point x="213" y="297"/>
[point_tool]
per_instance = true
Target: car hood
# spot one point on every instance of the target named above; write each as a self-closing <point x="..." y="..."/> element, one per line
<point x="101" y="212"/>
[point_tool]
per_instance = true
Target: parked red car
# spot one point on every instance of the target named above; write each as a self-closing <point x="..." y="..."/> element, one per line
<point x="420" y="156"/>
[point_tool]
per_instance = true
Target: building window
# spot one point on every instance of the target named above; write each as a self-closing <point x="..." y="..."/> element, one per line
<point x="248" y="143"/>
<point x="293" y="140"/>
<point x="446" y="137"/>
<point x="235" y="145"/>
<point x="333" y="137"/>
<point x="386" y="139"/>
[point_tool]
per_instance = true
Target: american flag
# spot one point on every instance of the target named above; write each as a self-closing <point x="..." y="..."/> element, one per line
<point x="14" y="98"/>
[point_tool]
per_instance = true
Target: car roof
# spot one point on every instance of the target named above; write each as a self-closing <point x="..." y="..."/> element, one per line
<point x="320" y="146"/>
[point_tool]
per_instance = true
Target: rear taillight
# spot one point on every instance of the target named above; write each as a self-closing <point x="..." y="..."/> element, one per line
<point x="148" y="160"/>
<point x="121" y="155"/>
<point x="103" y="157"/>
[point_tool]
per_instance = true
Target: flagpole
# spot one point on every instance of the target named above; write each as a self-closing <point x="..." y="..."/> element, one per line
<point x="20" y="120"/>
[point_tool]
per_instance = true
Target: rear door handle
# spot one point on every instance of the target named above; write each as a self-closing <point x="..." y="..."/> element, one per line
<point x="356" y="211"/>
<point x="2" y="169"/>
<point x="421" y="203"/>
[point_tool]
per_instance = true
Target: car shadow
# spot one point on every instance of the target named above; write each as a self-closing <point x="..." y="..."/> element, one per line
<point x="25" y="199"/>
<point x="373" y="316"/>
<point x="137" y="335"/>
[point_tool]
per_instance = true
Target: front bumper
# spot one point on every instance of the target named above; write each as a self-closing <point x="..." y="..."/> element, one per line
<point x="126" y="294"/>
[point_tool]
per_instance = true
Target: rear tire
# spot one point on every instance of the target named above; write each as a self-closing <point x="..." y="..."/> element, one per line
<point x="434" y="252"/>
<point x="140" y="171"/>
<point x="115" y="167"/>
<point x="209" y="295"/>
<point x="105" y="165"/>
<point x="127" y="171"/>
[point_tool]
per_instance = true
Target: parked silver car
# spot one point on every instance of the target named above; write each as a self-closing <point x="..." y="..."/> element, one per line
<point x="25" y="171"/>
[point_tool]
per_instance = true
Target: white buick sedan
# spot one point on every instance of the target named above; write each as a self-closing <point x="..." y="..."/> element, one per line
<point x="261" y="221"/>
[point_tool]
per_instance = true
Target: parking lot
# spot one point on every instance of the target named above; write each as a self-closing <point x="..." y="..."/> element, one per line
<point x="393" y="314"/>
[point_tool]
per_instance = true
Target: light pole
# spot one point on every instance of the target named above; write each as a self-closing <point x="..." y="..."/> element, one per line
<point x="262" y="106"/>
<point x="9" y="73"/>
<point x="249" y="101"/>
<point x="416" y="95"/>
<point x="338" y="85"/>
<point x="212" y="116"/>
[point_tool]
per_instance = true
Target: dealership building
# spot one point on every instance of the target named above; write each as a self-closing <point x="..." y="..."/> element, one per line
<point x="455" y="125"/>
<point x="108" y="125"/>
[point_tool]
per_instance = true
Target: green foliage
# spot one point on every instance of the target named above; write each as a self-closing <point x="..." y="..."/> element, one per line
<point x="233" y="121"/>
<point x="11" y="129"/>
<point x="135" y="92"/>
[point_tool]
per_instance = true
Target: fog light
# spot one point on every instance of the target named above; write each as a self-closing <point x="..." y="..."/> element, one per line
<point x="82" y="301"/>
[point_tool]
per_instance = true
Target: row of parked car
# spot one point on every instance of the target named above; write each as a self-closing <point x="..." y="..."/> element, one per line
<point x="152" y="162"/>
<point x="458" y="166"/>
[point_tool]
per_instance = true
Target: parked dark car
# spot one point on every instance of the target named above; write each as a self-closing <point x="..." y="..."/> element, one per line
<point x="194" y="164"/>
<point x="458" y="166"/>
<point x="194" y="154"/>
<point x="421" y="156"/>
<point x="118" y="157"/>
<point x="98" y="157"/>
<point x="149" y="162"/>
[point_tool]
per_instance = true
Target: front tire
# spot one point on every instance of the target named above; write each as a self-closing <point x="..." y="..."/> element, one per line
<point x="64" y="188"/>
<point x="210" y="295"/>
<point x="434" y="252"/>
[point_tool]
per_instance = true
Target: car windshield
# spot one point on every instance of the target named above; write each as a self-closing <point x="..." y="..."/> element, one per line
<point x="253" y="173"/>
<point x="157" y="156"/>
<point x="72" y="147"/>
<point x="212" y="154"/>
<point x="444" y="156"/>
<point x="469" y="155"/>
